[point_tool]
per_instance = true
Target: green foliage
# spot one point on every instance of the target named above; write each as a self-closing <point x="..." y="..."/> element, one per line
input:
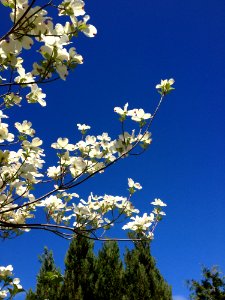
<point x="80" y="271"/>
<point x="211" y="287"/>
<point x="31" y="295"/>
<point x="142" y="280"/>
<point x="101" y="277"/>
<point x="48" y="279"/>
<point x="109" y="270"/>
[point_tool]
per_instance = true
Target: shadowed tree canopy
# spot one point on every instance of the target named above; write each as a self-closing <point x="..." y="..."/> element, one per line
<point x="109" y="270"/>
<point x="48" y="279"/>
<point x="142" y="279"/>
<point x="102" y="276"/>
<point x="210" y="287"/>
<point x="79" y="270"/>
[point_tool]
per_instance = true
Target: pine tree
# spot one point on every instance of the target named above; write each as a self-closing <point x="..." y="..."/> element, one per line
<point x="109" y="269"/>
<point x="142" y="280"/>
<point x="79" y="279"/>
<point x="48" y="279"/>
<point x="211" y="287"/>
<point x="103" y="277"/>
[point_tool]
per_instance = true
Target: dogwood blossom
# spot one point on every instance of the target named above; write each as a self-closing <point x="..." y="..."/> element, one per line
<point x="6" y="271"/>
<point x="38" y="31"/>
<point x="63" y="143"/>
<point x="158" y="202"/>
<point x="133" y="184"/>
<point x="83" y="127"/>
<point x="121" y="111"/>
<point x="165" y="86"/>
<point x="52" y="203"/>
<point x="139" y="115"/>
<point x="140" y="224"/>
<point x="16" y="282"/>
<point x="25" y="128"/>
<point x="22" y="164"/>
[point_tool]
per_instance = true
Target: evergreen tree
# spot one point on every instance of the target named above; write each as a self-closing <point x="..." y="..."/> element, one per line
<point x="109" y="270"/>
<point x="79" y="279"/>
<point x="103" y="277"/>
<point x="48" y="279"/>
<point x="142" y="280"/>
<point x="211" y="287"/>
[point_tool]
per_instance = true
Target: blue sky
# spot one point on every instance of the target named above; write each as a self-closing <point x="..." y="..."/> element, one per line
<point x="138" y="43"/>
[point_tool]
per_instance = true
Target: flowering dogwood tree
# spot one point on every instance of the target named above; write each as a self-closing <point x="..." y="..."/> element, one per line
<point x="22" y="159"/>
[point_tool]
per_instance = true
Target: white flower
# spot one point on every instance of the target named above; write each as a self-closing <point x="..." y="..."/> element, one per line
<point x="165" y="86"/>
<point x="36" y="95"/>
<point x="145" y="138"/>
<point x="74" y="57"/>
<point x="4" y="133"/>
<point x="77" y="7"/>
<point x="62" y="71"/>
<point x="16" y="281"/>
<point x="11" y="99"/>
<point x="52" y="203"/>
<point x="104" y="137"/>
<point x="25" y="128"/>
<point x="3" y="294"/>
<point x="34" y="145"/>
<point x="57" y="41"/>
<point x="27" y="42"/>
<point x="165" y="82"/>
<point x="54" y="172"/>
<point x="23" y="76"/>
<point x="158" y="212"/>
<point x="83" y="127"/>
<point x="90" y="140"/>
<point x="121" y="111"/>
<point x="133" y="184"/>
<point x="2" y="115"/>
<point x="140" y="223"/>
<point x="139" y="115"/>
<point x="11" y="46"/>
<point x="78" y="165"/>
<point x="89" y="30"/>
<point x="6" y="271"/>
<point x="63" y="143"/>
<point x="158" y="202"/>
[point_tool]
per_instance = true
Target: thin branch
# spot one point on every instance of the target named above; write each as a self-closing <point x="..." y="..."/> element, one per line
<point x="18" y="21"/>
<point x="29" y="83"/>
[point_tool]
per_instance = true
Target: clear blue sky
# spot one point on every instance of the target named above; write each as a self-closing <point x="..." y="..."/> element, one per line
<point x="138" y="43"/>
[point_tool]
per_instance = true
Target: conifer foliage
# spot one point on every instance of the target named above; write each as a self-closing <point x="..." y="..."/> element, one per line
<point x="211" y="286"/>
<point x="109" y="270"/>
<point x="104" y="276"/>
<point x="79" y="271"/>
<point x="142" y="280"/>
<point x="48" y="279"/>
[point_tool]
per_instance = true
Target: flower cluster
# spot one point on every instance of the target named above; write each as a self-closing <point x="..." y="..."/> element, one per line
<point x="94" y="213"/>
<point x="92" y="153"/>
<point x="22" y="165"/>
<point x="137" y="115"/>
<point x="146" y="224"/>
<point x="21" y="168"/>
<point x="8" y="284"/>
<point x="20" y="171"/>
<point x="35" y="30"/>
